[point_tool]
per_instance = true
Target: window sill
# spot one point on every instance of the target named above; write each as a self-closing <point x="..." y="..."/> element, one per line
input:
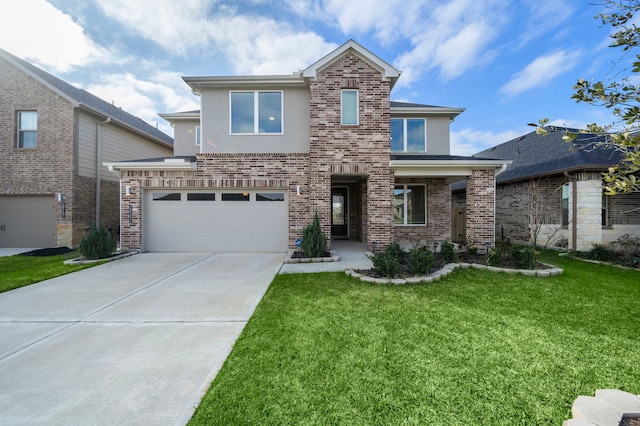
<point x="409" y="224"/>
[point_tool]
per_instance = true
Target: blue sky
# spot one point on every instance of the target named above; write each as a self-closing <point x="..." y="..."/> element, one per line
<point x="508" y="63"/>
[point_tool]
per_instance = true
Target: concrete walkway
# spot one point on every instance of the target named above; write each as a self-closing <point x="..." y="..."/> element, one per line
<point x="131" y="342"/>
<point x="352" y="256"/>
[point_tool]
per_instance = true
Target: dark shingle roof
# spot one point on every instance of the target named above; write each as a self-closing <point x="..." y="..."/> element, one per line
<point x="538" y="155"/>
<point x="85" y="98"/>
<point x="395" y="104"/>
<point x="436" y="157"/>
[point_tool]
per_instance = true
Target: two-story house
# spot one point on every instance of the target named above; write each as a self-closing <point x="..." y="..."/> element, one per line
<point x="265" y="152"/>
<point x="53" y="139"/>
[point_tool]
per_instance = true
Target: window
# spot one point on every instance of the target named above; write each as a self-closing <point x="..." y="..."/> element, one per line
<point x="349" y="107"/>
<point x="166" y="196"/>
<point x="565" y="204"/>
<point x="235" y="196"/>
<point x="270" y="196"/>
<point x="410" y="205"/>
<point x="201" y="196"/>
<point x="27" y="129"/>
<point x="605" y="202"/>
<point x="409" y="134"/>
<point x="198" y="142"/>
<point x="256" y="112"/>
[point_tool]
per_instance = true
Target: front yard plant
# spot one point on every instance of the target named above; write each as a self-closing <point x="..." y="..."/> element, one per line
<point x="624" y="251"/>
<point x="314" y="241"/>
<point x="98" y="244"/>
<point x="478" y="348"/>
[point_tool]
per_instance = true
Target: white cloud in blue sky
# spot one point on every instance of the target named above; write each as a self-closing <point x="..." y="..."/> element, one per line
<point x="507" y="63"/>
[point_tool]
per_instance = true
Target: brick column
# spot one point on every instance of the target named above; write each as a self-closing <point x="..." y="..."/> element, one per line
<point x="481" y="207"/>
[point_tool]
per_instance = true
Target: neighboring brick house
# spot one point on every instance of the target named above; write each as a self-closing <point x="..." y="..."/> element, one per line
<point x="265" y="152"/>
<point x="555" y="189"/>
<point x="53" y="138"/>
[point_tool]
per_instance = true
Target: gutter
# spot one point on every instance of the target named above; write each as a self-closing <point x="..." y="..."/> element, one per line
<point x="98" y="165"/>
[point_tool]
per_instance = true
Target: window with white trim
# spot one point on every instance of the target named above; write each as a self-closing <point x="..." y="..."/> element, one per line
<point x="27" y="129"/>
<point x="198" y="142"/>
<point x="349" y="107"/>
<point x="409" y="134"/>
<point x="410" y="205"/>
<point x="255" y="112"/>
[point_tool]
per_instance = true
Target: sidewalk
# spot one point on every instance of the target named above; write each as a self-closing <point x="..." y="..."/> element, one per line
<point x="352" y="256"/>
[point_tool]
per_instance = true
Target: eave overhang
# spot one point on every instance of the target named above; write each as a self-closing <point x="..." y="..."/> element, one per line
<point x="451" y="169"/>
<point x="198" y="84"/>
<point x="167" y="164"/>
<point x="422" y="111"/>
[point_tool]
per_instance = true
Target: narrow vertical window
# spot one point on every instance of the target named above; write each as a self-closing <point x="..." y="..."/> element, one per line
<point x="565" y="204"/>
<point x="349" y="107"/>
<point x="27" y="129"/>
<point x="605" y="202"/>
<point x="198" y="142"/>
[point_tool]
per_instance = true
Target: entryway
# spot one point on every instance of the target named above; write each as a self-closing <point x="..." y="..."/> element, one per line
<point x="339" y="209"/>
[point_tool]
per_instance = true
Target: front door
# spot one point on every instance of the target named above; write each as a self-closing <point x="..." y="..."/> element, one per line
<point x="339" y="228"/>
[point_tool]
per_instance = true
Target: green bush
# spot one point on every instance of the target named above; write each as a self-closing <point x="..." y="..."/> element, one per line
<point x="601" y="253"/>
<point x="396" y="251"/>
<point x="314" y="241"/>
<point x="524" y="257"/>
<point x="98" y="244"/>
<point x="420" y="261"/>
<point x="448" y="252"/>
<point x="385" y="264"/>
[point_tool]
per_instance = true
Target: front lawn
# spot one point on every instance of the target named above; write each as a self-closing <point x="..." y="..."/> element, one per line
<point x="19" y="271"/>
<point x="476" y="348"/>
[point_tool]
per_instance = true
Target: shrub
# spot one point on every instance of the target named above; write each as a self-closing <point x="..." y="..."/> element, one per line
<point x="627" y="246"/>
<point x="385" y="264"/>
<point x="601" y="253"/>
<point x="524" y="257"/>
<point x="314" y="241"/>
<point x="396" y="251"/>
<point x="448" y="252"/>
<point x="98" y="244"/>
<point x="420" y="261"/>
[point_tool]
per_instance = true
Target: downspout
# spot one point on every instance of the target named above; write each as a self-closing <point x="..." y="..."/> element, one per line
<point x="99" y="165"/>
<point x="574" y="210"/>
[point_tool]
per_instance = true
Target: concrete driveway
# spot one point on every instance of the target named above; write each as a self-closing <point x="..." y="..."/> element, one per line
<point x="135" y="341"/>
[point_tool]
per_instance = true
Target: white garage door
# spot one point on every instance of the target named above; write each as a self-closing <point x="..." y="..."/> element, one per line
<point x="178" y="220"/>
<point x="27" y="221"/>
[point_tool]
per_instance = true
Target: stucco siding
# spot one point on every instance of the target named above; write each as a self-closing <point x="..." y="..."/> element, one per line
<point x="184" y="137"/>
<point x="216" y="137"/>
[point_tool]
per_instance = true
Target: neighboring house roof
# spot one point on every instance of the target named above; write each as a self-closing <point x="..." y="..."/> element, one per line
<point x="536" y="155"/>
<point x="84" y="99"/>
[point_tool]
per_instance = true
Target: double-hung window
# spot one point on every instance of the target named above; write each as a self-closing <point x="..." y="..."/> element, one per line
<point x="349" y="107"/>
<point x="409" y="134"/>
<point x="256" y="112"/>
<point x="27" y="129"/>
<point x="410" y="205"/>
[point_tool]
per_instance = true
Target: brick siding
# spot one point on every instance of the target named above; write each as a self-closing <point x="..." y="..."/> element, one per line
<point x="480" y="207"/>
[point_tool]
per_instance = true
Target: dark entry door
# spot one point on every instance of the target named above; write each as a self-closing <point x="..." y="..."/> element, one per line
<point x="339" y="227"/>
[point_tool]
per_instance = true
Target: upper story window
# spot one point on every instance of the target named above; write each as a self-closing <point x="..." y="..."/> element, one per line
<point x="27" y="129"/>
<point x="409" y="134"/>
<point x="198" y="142"/>
<point x="349" y="107"/>
<point x="256" y="112"/>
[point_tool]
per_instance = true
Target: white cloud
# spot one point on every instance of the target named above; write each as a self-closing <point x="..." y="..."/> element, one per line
<point x="544" y="18"/>
<point x="142" y="98"/>
<point x="454" y="38"/>
<point x="57" y="42"/>
<point x="472" y="141"/>
<point x="540" y="72"/>
<point x="252" y="44"/>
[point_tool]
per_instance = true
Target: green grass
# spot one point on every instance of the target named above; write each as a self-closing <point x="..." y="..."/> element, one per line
<point x="475" y="348"/>
<point x="19" y="271"/>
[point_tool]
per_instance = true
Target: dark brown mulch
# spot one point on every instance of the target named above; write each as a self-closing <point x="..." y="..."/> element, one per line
<point x="630" y="421"/>
<point x="52" y="251"/>
<point x="301" y="255"/>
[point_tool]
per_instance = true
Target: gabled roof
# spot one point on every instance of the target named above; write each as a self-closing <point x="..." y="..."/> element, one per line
<point x="388" y="71"/>
<point x="536" y="155"/>
<point x="83" y="99"/>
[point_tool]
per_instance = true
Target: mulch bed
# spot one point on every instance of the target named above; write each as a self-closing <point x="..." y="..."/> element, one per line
<point x="300" y="255"/>
<point x="630" y="421"/>
<point x="53" y="251"/>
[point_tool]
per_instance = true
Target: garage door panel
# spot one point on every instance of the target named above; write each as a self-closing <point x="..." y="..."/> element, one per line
<point x="216" y="225"/>
<point x="27" y="221"/>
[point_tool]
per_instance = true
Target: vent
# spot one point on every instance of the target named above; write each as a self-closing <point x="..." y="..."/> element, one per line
<point x="350" y="83"/>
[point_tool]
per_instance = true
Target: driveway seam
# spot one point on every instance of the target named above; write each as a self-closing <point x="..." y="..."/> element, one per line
<point x="38" y="340"/>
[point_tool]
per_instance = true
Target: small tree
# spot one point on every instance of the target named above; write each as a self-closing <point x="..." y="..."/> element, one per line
<point x="314" y="241"/>
<point x="98" y="244"/>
